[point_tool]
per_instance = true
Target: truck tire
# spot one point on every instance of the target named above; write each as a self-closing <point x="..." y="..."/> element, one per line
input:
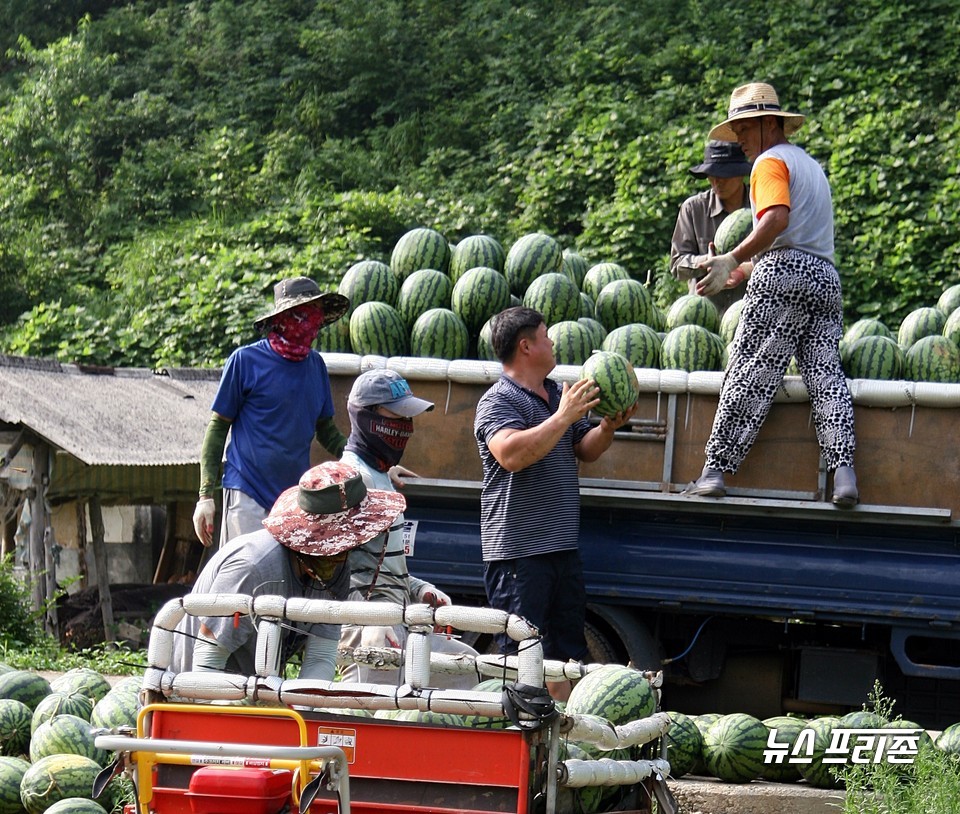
<point x="623" y="635"/>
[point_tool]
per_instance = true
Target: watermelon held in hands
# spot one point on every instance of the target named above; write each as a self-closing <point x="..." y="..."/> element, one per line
<point x="616" y="378"/>
<point x="733" y="748"/>
<point x="732" y="230"/>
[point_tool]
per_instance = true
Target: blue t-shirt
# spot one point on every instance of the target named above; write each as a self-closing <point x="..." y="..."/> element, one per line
<point x="274" y="405"/>
<point x="536" y="510"/>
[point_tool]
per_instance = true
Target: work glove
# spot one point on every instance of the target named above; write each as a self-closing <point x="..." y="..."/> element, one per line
<point x="379" y="636"/>
<point x="203" y="516"/>
<point x="718" y="269"/>
<point x="434" y="596"/>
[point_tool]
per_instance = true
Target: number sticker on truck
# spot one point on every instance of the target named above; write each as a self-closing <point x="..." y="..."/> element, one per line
<point x="409" y="533"/>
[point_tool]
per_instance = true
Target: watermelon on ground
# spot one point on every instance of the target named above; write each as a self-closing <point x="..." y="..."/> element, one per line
<point x="12" y="770"/>
<point x="692" y="309"/>
<point x="76" y="805"/>
<point x="929" y="359"/>
<point x="61" y="703"/>
<point x="480" y="293"/>
<point x="733" y="748"/>
<point x="949" y="740"/>
<point x="618" y="693"/>
<point x="684" y="744"/>
<point x="118" y="708"/>
<point x="439" y="334"/>
<point x="420" y="248"/>
<point x="598" y="276"/>
<point x="817" y="773"/>
<point x="788" y="729"/>
<point x="475" y="251"/>
<point x="623" y="302"/>
<point x="572" y="342"/>
<point x="732" y="230"/>
<point x="26" y="686"/>
<point x="530" y="257"/>
<point x="377" y="329"/>
<point x="616" y="378"/>
<point x="15" y="729"/>
<point x="66" y="734"/>
<point x="57" y="777"/>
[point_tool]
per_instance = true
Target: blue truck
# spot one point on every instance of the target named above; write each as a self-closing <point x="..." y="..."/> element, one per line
<point x="768" y="601"/>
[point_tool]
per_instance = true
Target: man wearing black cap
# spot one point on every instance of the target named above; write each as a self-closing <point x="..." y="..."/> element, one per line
<point x="725" y="165"/>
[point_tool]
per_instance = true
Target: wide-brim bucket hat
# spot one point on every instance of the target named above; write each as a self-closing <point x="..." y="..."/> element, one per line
<point x="296" y="291"/>
<point x="330" y="511"/>
<point x="722" y="159"/>
<point x="751" y="101"/>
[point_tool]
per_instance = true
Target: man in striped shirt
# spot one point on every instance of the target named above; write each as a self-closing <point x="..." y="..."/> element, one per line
<point x="531" y="431"/>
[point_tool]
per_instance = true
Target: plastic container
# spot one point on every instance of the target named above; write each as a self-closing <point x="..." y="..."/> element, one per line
<point x="239" y="790"/>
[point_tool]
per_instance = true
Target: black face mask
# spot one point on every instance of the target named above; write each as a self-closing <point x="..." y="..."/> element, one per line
<point x="377" y="439"/>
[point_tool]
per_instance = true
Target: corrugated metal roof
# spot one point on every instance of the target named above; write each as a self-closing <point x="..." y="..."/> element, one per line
<point x="110" y="416"/>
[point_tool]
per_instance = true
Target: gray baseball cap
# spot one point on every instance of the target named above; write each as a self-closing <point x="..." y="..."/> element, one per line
<point x="389" y="388"/>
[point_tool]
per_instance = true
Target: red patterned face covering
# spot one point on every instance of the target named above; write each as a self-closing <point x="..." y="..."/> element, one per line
<point x="293" y="332"/>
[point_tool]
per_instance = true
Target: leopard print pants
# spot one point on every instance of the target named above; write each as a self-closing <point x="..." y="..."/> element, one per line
<point x="792" y="307"/>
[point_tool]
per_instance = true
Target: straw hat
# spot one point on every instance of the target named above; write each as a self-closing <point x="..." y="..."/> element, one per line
<point x="296" y="291"/>
<point x="751" y="101"/>
<point x="330" y="511"/>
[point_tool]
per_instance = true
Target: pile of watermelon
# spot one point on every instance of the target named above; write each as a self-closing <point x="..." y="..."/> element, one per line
<point x="48" y="758"/>
<point x="433" y="299"/>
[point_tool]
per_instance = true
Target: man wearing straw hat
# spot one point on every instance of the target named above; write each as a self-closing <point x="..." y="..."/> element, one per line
<point x="792" y="305"/>
<point x="274" y="398"/>
<point x="300" y="551"/>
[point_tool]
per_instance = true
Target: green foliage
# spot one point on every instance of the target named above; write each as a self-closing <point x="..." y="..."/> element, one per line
<point x="162" y="164"/>
<point x="18" y="626"/>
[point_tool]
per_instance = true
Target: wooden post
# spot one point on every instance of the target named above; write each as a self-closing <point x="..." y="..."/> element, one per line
<point x="165" y="564"/>
<point x="38" y="522"/>
<point x="103" y="575"/>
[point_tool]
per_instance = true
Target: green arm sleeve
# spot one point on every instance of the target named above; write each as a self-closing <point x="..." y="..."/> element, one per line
<point x="211" y="454"/>
<point x="329" y="437"/>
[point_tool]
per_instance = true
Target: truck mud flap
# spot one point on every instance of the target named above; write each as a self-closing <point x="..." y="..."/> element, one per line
<point x="898" y="646"/>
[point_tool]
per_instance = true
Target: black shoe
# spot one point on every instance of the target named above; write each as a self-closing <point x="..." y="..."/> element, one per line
<point x="845" y="494"/>
<point x="709" y="484"/>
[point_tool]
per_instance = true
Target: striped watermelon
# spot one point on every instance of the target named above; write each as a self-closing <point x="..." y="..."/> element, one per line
<point x="554" y="296"/>
<point x="15" y="729"/>
<point x="703" y="722"/>
<point x="369" y="281"/>
<point x="574" y="266"/>
<point x="868" y="326"/>
<point x="949" y="300"/>
<point x="422" y="290"/>
<point x="615" y="692"/>
<point x="951" y="328"/>
<point x="692" y="309"/>
<point x="733" y="748"/>
<point x="732" y="230"/>
<point x="729" y="321"/>
<point x="925" y="742"/>
<point x="585" y="799"/>
<point x="597" y="332"/>
<point x="335" y="338"/>
<point x="57" y="777"/>
<point x="918" y="324"/>
<point x="929" y="359"/>
<point x="816" y="773"/>
<point x="690" y="348"/>
<point x="684" y="744"/>
<point x="61" y="703"/>
<point x="587" y="306"/>
<point x="484" y="345"/>
<point x="63" y="735"/>
<point x="439" y="334"/>
<point x="84" y="680"/>
<point x="949" y="740"/>
<point x="572" y="342"/>
<point x="788" y="729"/>
<point x="637" y="342"/>
<point x="480" y="293"/>
<point x="428" y="717"/>
<point x="377" y="329"/>
<point x="623" y="302"/>
<point x="600" y="275"/>
<point x="24" y="685"/>
<point x="863" y="719"/>
<point x="616" y="378"/>
<point x="76" y="805"/>
<point x="530" y="257"/>
<point x="417" y="249"/>
<point x="874" y="357"/>
<point x="474" y="251"/>
<point x="12" y="770"/>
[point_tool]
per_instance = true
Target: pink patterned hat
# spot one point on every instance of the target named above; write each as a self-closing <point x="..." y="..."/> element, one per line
<point x="331" y="510"/>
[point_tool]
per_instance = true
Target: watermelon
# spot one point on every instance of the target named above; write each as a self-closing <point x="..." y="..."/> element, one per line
<point x="335" y="338"/>
<point x="418" y="249"/>
<point x="616" y="378"/>
<point x="475" y="251"/>
<point x="918" y="324"/>
<point x="949" y="300"/>
<point x="817" y="773"/>
<point x="692" y="309"/>
<point x="586" y="799"/>
<point x="637" y="342"/>
<point x="684" y="744"/>
<point x="428" y="717"/>
<point x="599" y="276"/>
<point x="83" y="680"/>
<point x="530" y="257"/>
<point x="574" y="266"/>
<point x="623" y="302"/>
<point x="617" y="693"/>
<point x="480" y="293"/>
<point x="924" y="742"/>
<point x="572" y="342"/>
<point x="729" y="321"/>
<point x="377" y="329"/>
<point x="703" y="722"/>
<point x="929" y="359"/>
<point x="61" y="703"/>
<point x="874" y="357"/>
<point x="788" y="729"/>
<point x="484" y="344"/>
<point x="949" y="740"/>
<point x="369" y="281"/>
<point x="439" y="334"/>
<point x="76" y="805"/>
<point x="868" y="326"/>
<point x="12" y="770"/>
<point x="118" y="708"/>
<point x="24" y="685"/>
<point x="597" y="332"/>
<point x="57" y="777"/>
<point x="555" y="296"/>
<point x="951" y="328"/>
<point x="422" y="290"/>
<point x="690" y="348"/>
<point x="732" y="230"/>
<point x="587" y="306"/>
<point x="733" y="748"/>
<point x="15" y="729"/>
<point x="66" y="734"/>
